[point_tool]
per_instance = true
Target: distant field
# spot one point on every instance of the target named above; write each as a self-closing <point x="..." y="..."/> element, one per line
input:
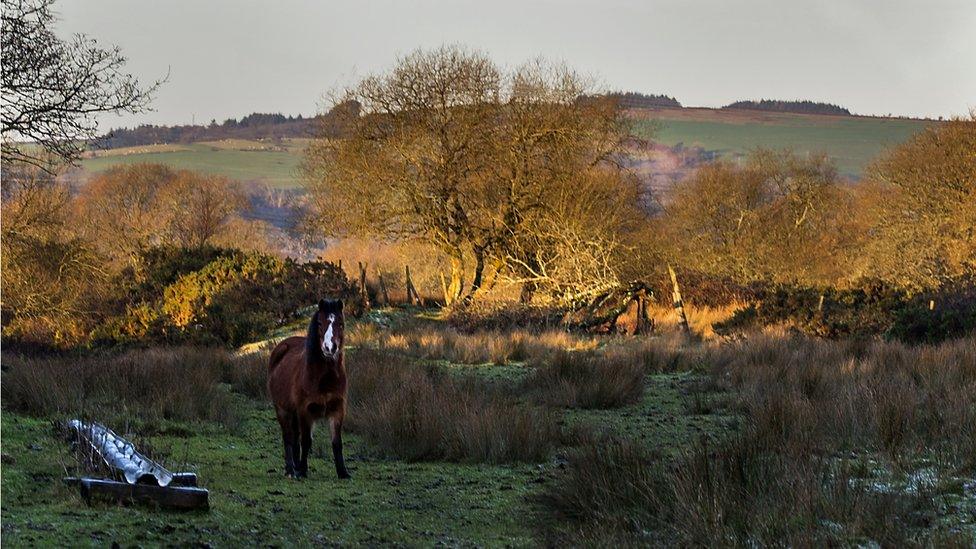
<point x="237" y="159"/>
<point x="851" y="141"/>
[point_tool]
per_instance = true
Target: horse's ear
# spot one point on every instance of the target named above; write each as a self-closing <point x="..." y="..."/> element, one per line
<point x="323" y="304"/>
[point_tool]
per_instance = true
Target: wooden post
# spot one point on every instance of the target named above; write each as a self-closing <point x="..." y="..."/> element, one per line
<point x="679" y="306"/>
<point x="412" y="296"/>
<point x="643" y="321"/>
<point x="362" y="285"/>
<point x="383" y="292"/>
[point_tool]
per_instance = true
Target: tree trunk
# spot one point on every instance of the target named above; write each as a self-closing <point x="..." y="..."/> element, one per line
<point x="479" y="270"/>
<point x="456" y="286"/>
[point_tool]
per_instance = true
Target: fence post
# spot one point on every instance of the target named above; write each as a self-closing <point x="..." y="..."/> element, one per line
<point x="412" y="296"/>
<point x="383" y="292"/>
<point x="679" y="306"/>
<point x="362" y="285"/>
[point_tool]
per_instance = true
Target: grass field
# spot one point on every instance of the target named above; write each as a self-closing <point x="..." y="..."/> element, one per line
<point x="238" y="159"/>
<point x="388" y="502"/>
<point x="851" y="141"/>
<point x="674" y="466"/>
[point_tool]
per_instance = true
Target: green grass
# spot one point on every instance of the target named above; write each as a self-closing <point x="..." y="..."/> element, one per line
<point x="386" y="502"/>
<point x="851" y="142"/>
<point x="278" y="168"/>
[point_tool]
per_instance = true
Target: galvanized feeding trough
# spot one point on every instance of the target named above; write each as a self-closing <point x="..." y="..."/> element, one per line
<point x="138" y="479"/>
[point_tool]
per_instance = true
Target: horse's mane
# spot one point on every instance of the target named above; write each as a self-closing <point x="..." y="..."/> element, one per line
<point x="313" y="352"/>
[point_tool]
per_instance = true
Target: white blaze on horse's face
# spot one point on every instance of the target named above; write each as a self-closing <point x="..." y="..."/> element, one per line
<point x="329" y="347"/>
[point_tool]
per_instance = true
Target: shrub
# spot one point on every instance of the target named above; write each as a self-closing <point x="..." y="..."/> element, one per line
<point x="857" y="312"/>
<point x="237" y="298"/>
<point x="953" y="314"/>
<point x="415" y="413"/>
<point x="503" y="315"/>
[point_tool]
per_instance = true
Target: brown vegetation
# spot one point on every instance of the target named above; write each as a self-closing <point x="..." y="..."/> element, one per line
<point x="816" y="415"/>
<point x="586" y="380"/>
<point x="416" y="413"/>
<point x="152" y="385"/>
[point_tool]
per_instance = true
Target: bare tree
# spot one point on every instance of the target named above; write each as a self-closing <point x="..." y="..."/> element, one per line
<point x="53" y="90"/>
<point x="448" y="149"/>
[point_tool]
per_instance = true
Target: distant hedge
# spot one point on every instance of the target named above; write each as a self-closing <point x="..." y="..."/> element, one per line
<point x="801" y="107"/>
<point x="872" y="309"/>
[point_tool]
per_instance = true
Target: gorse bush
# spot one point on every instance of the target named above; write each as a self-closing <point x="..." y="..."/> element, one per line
<point x="216" y="295"/>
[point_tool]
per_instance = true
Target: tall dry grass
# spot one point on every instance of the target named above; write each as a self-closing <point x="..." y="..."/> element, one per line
<point x="444" y="343"/>
<point x="419" y="413"/>
<point x="813" y="410"/>
<point x="172" y="383"/>
<point x="585" y="380"/>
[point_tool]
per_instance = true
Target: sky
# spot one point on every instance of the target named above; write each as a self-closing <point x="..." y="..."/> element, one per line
<point x="228" y="58"/>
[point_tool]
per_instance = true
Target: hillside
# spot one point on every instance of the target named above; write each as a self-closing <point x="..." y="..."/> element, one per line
<point x="684" y="137"/>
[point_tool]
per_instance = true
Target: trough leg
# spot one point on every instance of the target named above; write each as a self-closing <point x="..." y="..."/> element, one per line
<point x="335" y="426"/>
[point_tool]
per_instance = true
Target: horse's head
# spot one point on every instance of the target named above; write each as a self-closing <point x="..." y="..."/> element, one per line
<point x="325" y="331"/>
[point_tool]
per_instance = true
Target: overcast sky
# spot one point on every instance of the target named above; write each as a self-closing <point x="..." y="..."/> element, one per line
<point x="228" y="58"/>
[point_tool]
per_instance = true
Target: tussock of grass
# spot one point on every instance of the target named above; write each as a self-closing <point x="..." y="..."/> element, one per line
<point x="586" y="380"/>
<point x="176" y="383"/>
<point x="496" y="347"/>
<point x="788" y="478"/>
<point x="418" y="413"/>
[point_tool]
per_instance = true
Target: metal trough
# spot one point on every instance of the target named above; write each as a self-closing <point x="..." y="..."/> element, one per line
<point x="145" y="481"/>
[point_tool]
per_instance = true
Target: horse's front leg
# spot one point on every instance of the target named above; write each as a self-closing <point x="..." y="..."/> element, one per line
<point x="335" y="427"/>
<point x="305" y="424"/>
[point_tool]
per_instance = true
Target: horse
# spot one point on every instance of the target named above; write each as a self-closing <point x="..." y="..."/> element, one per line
<point x="307" y="382"/>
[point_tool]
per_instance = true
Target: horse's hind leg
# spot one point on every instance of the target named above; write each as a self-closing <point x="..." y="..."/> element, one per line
<point x="289" y="436"/>
<point x="305" y="431"/>
<point x="335" y="426"/>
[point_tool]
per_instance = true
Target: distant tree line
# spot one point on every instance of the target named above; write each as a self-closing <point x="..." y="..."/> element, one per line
<point x="252" y="126"/>
<point x="636" y="100"/>
<point x="802" y="107"/>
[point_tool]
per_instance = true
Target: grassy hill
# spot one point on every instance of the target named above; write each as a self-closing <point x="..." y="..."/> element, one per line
<point x="851" y="141"/>
<point x="273" y="163"/>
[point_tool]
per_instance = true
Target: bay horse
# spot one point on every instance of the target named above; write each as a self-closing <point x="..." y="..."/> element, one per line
<point x="307" y="382"/>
